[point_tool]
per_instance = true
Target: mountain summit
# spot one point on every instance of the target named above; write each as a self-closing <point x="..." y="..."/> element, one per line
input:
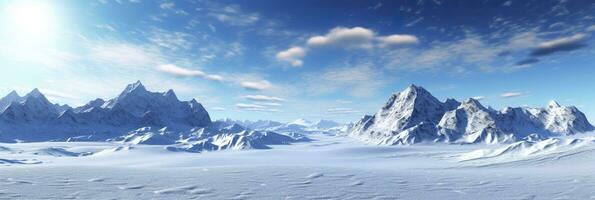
<point x="414" y="115"/>
<point x="33" y="117"/>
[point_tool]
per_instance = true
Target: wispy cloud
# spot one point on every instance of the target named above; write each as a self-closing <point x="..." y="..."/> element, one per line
<point x="183" y="72"/>
<point x="256" y="85"/>
<point x="359" y="80"/>
<point x="512" y="94"/>
<point x="178" y="71"/>
<point x="59" y="95"/>
<point x="167" y="5"/>
<point x="342" y="111"/>
<point x="122" y="54"/>
<point x="171" y="40"/>
<point x="414" y="22"/>
<point x="106" y="27"/>
<point x="561" y="44"/>
<point x="255" y="107"/>
<point x="233" y="15"/>
<point x="263" y="98"/>
<point x="218" y="108"/>
<point x="527" y="61"/>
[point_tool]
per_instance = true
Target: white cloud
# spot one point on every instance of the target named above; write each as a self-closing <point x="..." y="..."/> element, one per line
<point x="397" y="39"/>
<point x="178" y="71"/>
<point x="214" y="77"/>
<point x="591" y="28"/>
<point x="218" y="108"/>
<point x="512" y="94"/>
<point x="263" y="98"/>
<point x="233" y="15"/>
<point x="341" y="111"/>
<point x="270" y="104"/>
<point x="255" y="107"/>
<point x="125" y="54"/>
<point x="167" y="5"/>
<point x="292" y="55"/>
<point x="356" y="37"/>
<point x="346" y="38"/>
<point x="256" y="85"/>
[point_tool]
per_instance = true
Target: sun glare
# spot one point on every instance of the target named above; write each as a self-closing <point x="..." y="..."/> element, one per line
<point x="30" y="19"/>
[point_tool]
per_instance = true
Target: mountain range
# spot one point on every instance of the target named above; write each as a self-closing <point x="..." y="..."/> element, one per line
<point x="414" y="116"/>
<point x="136" y="115"/>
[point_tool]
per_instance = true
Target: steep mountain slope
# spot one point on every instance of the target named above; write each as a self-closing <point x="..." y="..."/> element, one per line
<point x="8" y="99"/>
<point x="158" y="107"/>
<point x="472" y="123"/>
<point x="414" y="116"/>
<point x="135" y="116"/>
<point x="408" y="117"/>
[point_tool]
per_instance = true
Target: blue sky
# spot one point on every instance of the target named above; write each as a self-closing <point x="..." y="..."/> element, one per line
<point x="284" y="60"/>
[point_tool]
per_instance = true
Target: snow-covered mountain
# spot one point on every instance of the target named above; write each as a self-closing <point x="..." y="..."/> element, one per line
<point x="8" y="99"/>
<point x="414" y="116"/>
<point x="136" y="115"/>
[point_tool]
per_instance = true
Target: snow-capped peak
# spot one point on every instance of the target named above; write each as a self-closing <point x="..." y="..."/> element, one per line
<point x="414" y="115"/>
<point x="36" y="96"/>
<point x="12" y="95"/>
<point x="171" y="94"/>
<point x="136" y="87"/>
<point x="35" y="93"/>
<point x="474" y="103"/>
<point x="553" y="104"/>
<point x="8" y="99"/>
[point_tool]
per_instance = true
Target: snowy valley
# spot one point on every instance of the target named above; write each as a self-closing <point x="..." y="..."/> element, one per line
<point x="144" y="144"/>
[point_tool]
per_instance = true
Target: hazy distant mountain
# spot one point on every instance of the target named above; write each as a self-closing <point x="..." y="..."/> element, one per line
<point x="296" y="126"/>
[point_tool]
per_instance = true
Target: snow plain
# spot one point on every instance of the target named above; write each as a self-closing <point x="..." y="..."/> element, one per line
<point x="328" y="167"/>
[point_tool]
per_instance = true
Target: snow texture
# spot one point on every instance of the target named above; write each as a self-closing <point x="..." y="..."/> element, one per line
<point x="415" y="116"/>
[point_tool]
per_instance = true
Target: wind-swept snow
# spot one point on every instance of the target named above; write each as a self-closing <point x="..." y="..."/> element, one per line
<point x="328" y="167"/>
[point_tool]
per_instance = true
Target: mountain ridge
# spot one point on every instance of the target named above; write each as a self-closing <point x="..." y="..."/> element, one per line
<point x="135" y="116"/>
<point x="414" y="115"/>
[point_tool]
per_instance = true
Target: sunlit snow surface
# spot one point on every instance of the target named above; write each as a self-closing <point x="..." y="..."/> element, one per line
<point x="328" y="167"/>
